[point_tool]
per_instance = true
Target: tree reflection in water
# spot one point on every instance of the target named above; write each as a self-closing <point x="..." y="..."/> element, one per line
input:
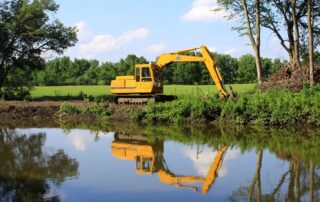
<point x="303" y="181"/>
<point x="27" y="171"/>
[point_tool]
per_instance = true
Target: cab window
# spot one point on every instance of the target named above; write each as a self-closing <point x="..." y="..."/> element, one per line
<point x="157" y="77"/>
<point x="137" y="74"/>
<point x="146" y="75"/>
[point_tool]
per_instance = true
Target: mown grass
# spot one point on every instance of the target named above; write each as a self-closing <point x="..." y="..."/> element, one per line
<point x="95" y="91"/>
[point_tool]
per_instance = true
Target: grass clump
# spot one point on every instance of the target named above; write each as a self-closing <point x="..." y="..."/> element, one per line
<point x="97" y="109"/>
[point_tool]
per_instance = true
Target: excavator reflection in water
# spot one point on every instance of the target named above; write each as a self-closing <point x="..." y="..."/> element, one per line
<point x="149" y="160"/>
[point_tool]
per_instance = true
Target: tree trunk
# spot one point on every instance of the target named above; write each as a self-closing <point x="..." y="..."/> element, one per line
<point x="290" y="194"/>
<point x="296" y="55"/>
<point x="311" y="180"/>
<point x="2" y="78"/>
<point x="258" y="174"/>
<point x="310" y="32"/>
<point x="258" y="65"/>
<point x="258" y="58"/>
<point x="254" y="42"/>
<point x="256" y="182"/>
<point x="297" y="181"/>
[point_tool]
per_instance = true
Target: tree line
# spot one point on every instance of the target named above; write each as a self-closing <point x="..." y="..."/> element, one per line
<point x="64" y="71"/>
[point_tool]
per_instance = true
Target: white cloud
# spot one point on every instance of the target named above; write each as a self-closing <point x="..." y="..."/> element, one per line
<point x="231" y="51"/>
<point x="107" y="135"/>
<point x="212" y="49"/>
<point x="203" y="10"/>
<point x="100" y="44"/>
<point x="155" y="48"/>
<point x="203" y="161"/>
<point x="48" y="55"/>
<point x="79" y="139"/>
<point x="129" y="36"/>
<point x="83" y="30"/>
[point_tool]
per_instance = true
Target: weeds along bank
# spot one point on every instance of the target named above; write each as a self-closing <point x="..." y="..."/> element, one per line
<point x="276" y="107"/>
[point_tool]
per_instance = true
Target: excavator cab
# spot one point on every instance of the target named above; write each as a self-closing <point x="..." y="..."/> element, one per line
<point x="148" y="78"/>
<point x="144" y="165"/>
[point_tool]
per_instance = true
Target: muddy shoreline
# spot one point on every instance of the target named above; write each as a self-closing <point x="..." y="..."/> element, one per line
<point x="12" y="110"/>
<point x="22" y="110"/>
<point x="50" y="111"/>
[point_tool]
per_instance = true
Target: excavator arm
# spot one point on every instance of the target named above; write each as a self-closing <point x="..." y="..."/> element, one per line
<point x="167" y="177"/>
<point x="167" y="58"/>
<point x="214" y="169"/>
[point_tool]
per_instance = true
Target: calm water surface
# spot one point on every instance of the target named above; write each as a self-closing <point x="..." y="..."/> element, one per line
<point x="159" y="164"/>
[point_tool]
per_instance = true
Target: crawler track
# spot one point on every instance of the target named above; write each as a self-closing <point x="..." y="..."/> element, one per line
<point x="142" y="99"/>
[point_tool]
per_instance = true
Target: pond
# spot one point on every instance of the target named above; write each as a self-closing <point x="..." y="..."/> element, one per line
<point x="127" y="162"/>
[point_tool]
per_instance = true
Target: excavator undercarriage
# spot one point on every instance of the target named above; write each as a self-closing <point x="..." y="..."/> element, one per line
<point x="142" y="99"/>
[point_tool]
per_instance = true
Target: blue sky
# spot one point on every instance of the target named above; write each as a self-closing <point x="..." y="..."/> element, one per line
<point x="112" y="29"/>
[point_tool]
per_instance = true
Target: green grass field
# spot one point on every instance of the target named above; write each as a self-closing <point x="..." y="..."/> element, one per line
<point x="55" y="91"/>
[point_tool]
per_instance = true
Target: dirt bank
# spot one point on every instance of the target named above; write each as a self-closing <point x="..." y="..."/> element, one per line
<point x="13" y="110"/>
<point x="58" y="111"/>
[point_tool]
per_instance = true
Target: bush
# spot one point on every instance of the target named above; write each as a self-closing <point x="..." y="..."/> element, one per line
<point x="98" y="109"/>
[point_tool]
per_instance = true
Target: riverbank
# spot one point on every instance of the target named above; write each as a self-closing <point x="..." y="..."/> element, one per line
<point x="23" y="110"/>
<point x="276" y="107"/>
<point x="66" y="110"/>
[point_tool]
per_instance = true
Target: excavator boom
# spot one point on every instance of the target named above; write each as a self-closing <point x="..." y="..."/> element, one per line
<point x="206" y="57"/>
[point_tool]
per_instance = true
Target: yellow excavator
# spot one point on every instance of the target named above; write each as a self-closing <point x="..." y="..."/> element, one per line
<point x="149" y="160"/>
<point x="148" y="78"/>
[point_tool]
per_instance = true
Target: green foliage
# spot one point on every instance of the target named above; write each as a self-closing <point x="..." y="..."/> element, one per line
<point x="26" y="32"/>
<point x="68" y="108"/>
<point x="228" y="66"/>
<point x="193" y="109"/>
<point x="276" y="107"/>
<point x="174" y="111"/>
<point x="63" y="71"/>
<point x="247" y="69"/>
<point x="18" y="85"/>
<point x="96" y="109"/>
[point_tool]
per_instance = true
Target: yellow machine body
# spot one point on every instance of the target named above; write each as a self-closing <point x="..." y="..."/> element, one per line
<point x="145" y="81"/>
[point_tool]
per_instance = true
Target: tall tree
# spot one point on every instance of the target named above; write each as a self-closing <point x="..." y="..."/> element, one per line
<point x="254" y="42"/>
<point x="310" y="36"/>
<point x="285" y="18"/>
<point x="27" y="32"/>
<point x="250" y="11"/>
